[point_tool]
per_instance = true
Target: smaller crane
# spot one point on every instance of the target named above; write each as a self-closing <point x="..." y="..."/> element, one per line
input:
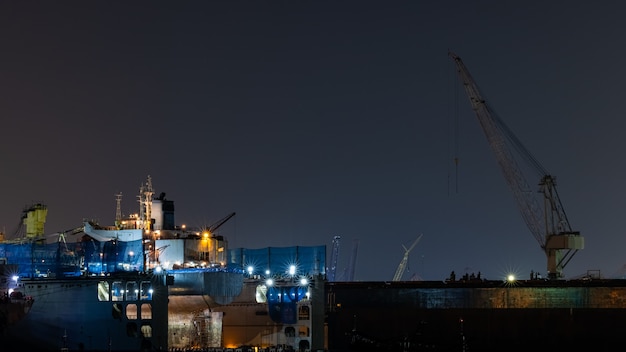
<point x="334" y="256"/>
<point x="402" y="266"/>
<point x="61" y="235"/>
<point x="351" y="267"/>
<point x="212" y="228"/>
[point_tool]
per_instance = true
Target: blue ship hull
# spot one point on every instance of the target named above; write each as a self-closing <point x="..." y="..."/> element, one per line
<point x="92" y="314"/>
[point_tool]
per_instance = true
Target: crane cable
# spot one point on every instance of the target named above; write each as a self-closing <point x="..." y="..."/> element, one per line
<point x="453" y="128"/>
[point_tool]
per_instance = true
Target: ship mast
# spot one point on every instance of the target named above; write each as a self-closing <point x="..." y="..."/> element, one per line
<point x="145" y="218"/>
<point x="145" y="204"/>
<point x="118" y="209"/>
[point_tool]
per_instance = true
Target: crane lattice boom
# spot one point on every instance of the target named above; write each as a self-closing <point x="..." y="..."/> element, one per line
<point x="405" y="259"/>
<point x="548" y="224"/>
<point x="352" y="264"/>
<point x="334" y="256"/>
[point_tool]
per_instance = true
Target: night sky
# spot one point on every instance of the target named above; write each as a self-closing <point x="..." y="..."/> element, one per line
<point x="315" y="119"/>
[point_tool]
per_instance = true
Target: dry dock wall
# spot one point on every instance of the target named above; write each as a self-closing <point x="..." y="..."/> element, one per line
<point x="455" y="316"/>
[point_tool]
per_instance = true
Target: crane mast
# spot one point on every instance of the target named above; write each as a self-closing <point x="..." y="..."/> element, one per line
<point x="548" y="224"/>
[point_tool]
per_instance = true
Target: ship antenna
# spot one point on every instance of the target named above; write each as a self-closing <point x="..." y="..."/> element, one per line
<point x="118" y="208"/>
<point x="148" y="191"/>
<point x="145" y="204"/>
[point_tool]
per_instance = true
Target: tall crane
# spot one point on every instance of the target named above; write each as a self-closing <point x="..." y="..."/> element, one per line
<point x="352" y="264"/>
<point x="334" y="256"/>
<point x="405" y="259"/>
<point x="549" y="225"/>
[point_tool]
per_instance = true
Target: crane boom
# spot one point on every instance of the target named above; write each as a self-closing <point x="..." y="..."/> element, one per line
<point x="549" y="225"/>
<point x="405" y="259"/>
<point x="219" y="223"/>
<point x="334" y="257"/>
<point x="352" y="264"/>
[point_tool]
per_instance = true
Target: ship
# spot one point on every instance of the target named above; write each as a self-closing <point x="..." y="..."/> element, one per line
<point x="145" y="283"/>
<point x="51" y="303"/>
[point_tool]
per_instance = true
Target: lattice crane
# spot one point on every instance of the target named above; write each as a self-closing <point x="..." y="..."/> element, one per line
<point x="405" y="260"/>
<point x="334" y="257"/>
<point x="352" y="265"/>
<point x="549" y="225"/>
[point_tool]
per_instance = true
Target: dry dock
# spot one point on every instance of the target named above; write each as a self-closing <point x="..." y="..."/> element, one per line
<point x="581" y="315"/>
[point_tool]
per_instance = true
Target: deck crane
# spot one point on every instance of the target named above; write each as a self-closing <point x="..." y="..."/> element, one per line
<point x="405" y="259"/>
<point x="212" y="228"/>
<point x="549" y="225"/>
<point x="61" y="236"/>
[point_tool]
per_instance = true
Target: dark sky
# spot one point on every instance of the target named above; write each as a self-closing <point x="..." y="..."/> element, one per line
<point x="312" y="119"/>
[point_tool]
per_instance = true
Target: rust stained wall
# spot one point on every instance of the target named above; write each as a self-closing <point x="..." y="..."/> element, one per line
<point x="488" y="295"/>
<point x="516" y="297"/>
<point x="486" y="316"/>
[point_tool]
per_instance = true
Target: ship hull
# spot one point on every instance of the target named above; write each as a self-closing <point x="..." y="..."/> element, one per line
<point x="87" y="314"/>
<point x="247" y="322"/>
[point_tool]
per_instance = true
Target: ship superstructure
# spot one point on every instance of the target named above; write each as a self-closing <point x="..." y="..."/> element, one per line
<point x="146" y="283"/>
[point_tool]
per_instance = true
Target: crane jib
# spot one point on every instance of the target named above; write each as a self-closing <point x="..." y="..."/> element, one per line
<point x="548" y="224"/>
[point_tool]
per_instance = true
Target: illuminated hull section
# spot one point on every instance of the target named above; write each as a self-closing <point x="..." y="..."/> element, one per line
<point x="197" y="321"/>
<point x="277" y="300"/>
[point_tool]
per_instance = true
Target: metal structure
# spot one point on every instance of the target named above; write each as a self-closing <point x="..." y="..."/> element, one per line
<point x="352" y="265"/>
<point x="61" y="236"/>
<point x="118" y="208"/>
<point x="212" y="228"/>
<point x="405" y="259"/>
<point x="334" y="257"/>
<point x="145" y="204"/>
<point x="549" y="225"/>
